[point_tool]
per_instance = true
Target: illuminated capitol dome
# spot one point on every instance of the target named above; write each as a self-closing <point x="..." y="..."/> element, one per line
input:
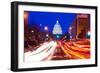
<point x="57" y="30"/>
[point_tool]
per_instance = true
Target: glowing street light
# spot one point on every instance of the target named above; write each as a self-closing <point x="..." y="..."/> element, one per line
<point x="25" y="15"/>
<point x="88" y="33"/>
<point x="32" y="31"/>
<point x="58" y="36"/>
<point x="70" y="32"/>
<point x="46" y="28"/>
<point x="40" y="24"/>
<point x="47" y="35"/>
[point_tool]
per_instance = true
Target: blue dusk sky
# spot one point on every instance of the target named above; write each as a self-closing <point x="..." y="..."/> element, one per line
<point x="42" y="19"/>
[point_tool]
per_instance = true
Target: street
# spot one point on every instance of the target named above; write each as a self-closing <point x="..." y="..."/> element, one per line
<point x="60" y="50"/>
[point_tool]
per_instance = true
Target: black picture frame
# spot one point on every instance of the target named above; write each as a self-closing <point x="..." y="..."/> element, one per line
<point x="14" y="35"/>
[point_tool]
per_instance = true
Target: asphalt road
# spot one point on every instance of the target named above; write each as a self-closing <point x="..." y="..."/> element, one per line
<point x="60" y="50"/>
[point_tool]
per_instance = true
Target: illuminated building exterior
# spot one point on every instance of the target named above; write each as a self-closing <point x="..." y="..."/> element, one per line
<point x="81" y="26"/>
<point x="57" y="30"/>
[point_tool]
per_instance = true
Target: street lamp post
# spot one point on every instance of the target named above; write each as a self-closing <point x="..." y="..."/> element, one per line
<point x="70" y="32"/>
<point x="47" y="35"/>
